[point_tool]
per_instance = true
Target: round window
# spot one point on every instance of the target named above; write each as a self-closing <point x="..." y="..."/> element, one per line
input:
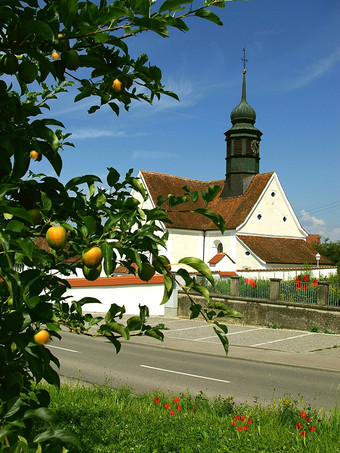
<point x="259" y="216"/>
<point x="284" y="219"/>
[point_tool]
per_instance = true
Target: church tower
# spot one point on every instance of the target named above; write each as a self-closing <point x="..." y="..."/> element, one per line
<point x="243" y="146"/>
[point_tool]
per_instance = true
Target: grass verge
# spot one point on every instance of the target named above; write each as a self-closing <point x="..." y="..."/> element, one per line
<point x="115" y="420"/>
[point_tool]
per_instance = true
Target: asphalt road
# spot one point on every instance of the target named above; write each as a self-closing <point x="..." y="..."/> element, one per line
<point x="147" y="367"/>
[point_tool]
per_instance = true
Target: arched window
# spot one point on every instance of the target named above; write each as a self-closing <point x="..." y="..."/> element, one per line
<point x="220" y="248"/>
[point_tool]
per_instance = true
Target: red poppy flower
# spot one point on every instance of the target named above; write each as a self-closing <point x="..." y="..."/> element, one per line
<point x="246" y="427"/>
<point x="315" y="283"/>
<point x="298" y="286"/>
<point x="303" y="414"/>
<point x="178" y="408"/>
<point x="312" y="428"/>
<point x="307" y="419"/>
<point x="304" y="287"/>
<point x="246" y="281"/>
<point x="167" y="406"/>
<point x="243" y="418"/>
<point x="172" y="413"/>
<point x="239" y="428"/>
<point x="305" y="278"/>
<point x="298" y="426"/>
<point x="176" y="400"/>
<point x="156" y="400"/>
<point x="233" y="423"/>
<point x="249" y="421"/>
<point x="298" y="280"/>
<point x="237" y="417"/>
<point x="303" y="433"/>
<point x="254" y="284"/>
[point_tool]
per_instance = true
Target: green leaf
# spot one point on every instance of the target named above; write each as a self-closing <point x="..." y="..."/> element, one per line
<point x="33" y="301"/>
<point x="74" y="182"/>
<point x="68" y="11"/>
<point x="112" y="177"/>
<point x="114" y="341"/>
<point x="108" y="255"/>
<point x="138" y="186"/>
<point x="27" y="247"/>
<point x="134" y="323"/>
<point x="211" y="193"/>
<point x="202" y="290"/>
<point x="195" y="310"/>
<point x="119" y="328"/>
<point x="209" y="15"/>
<point x="172" y="5"/>
<point x="5" y="188"/>
<point x="154" y="333"/>
<point x="88" y="300"/>
<point x="15" y="405"/>
<point x="222" y="335"/>
<point x="114" y="312"/>
<point x="168" y="288"/>
<point x="112" y="13"/>
<point x="42" y="413"/>
<point x="216" y="218"/>
<point x="144" y="313"/>
<point x="90" y="223"/>
<point x="59" y="435"/>
<point x="199" y="266"/>
<point x="15" y="226"/>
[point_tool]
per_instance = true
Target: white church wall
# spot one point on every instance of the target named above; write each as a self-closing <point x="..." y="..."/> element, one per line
<point x="273" y="215"/>
<point x="290" y="272"/>
<point x="130" y="295"/>
<point x="245" y="258"/>
<point x="184" y="243"/>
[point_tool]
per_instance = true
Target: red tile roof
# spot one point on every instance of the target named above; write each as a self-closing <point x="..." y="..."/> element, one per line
<point x="282" y="250"/>
<point x="313" y="238"/>
<point x="234" y="210"/>
<point x="217" y="258"/>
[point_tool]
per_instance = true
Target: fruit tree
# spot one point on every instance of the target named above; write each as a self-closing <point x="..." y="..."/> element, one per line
<point x="46" y="226"/>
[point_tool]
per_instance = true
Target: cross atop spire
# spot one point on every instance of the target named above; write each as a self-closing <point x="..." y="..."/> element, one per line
<point x="244" y="60"/>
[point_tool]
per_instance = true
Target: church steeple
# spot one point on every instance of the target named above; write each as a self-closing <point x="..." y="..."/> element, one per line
<point x="243" y="141"/>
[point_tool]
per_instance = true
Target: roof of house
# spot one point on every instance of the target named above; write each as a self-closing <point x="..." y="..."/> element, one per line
<point x="234" y="210"/>
<point x="216" y="258"/>
<point x="282" y="250"/>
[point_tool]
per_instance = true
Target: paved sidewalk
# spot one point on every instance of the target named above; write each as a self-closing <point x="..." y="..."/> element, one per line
<point x="253" y="343"/>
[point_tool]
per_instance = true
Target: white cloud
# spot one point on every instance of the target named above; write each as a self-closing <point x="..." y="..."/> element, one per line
<point x="138" y="154"/>
<point x="312" y="224"/>
<point x="314" y="71"/>
<point x="334" y="235"/>
<point x="96" y="133"/>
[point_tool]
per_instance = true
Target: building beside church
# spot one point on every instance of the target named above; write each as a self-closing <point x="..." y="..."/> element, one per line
<point x="263" y="234"/>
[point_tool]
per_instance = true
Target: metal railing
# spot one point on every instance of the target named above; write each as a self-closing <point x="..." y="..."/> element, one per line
<point x="334" y="295"/>
<point x="302" y="290"/>
<point x="299" y="292"/>
<point x="259" y="289"/>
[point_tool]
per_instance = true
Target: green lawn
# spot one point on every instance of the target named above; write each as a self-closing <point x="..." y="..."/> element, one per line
<point x="115" y="420"/>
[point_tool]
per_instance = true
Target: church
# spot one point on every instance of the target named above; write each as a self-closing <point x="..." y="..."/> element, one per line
<point x="262" y="233"/>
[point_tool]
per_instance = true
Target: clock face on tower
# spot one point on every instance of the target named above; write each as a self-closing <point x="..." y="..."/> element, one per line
<point x="255" y="146"/>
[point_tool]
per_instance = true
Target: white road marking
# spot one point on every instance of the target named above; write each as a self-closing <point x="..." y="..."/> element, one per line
<point x="281" y="339"/>
<point x="64" y="349"/>
<point x="229" y="333"/>
<point x="189" y="328"/>
<point x="185" y="374"/>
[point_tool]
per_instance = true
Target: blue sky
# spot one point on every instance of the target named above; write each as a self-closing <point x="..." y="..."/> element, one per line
<point x="293" y="48"/>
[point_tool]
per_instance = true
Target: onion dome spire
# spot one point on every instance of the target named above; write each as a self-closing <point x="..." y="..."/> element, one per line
<point x="243" y="146"/>
<point x="243" y="113"/>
